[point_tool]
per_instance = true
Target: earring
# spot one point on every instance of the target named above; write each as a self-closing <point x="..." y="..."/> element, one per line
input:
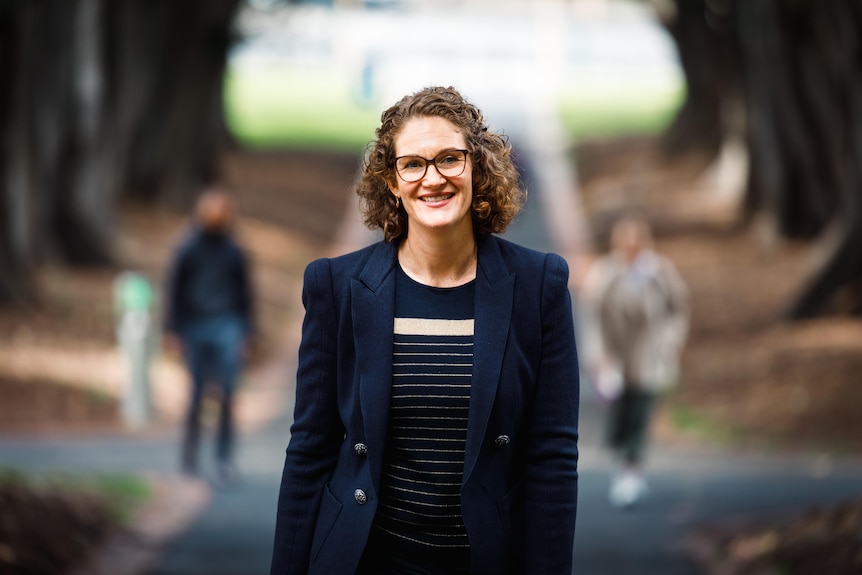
<point x="397" y="202"/>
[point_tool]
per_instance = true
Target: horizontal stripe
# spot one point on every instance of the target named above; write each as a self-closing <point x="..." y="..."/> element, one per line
<point x="433" y="375"/>
<point x="407" y="480"/>
<point x="421" y="428"/>
<point x="435" y="385"/>
<point x="447" y="343"/>
<point x="411" y="448"/>
<point x="419" y="438"/>
<point x="428" y="493"/>
<point x="426" y="544"/>
<point x="435" y="327"/>
<point x="408" y="522"/>
<point x="431" y="357"/>
<point x="448" y="466"/>
<point x="406" y="364"/>
<point x="420" y="407"/>
<point x="431" y="418"/>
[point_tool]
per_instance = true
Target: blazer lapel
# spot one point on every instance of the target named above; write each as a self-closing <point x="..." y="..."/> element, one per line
<point x="373" y="304"/>
<point x="495" y="289"/>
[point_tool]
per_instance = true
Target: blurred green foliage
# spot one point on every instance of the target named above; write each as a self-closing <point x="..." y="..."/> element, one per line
<point x="123" y="492"/>
<point x="282" y="107"/>
<point x="285" y="108"/>
<point x="626" y="108"/>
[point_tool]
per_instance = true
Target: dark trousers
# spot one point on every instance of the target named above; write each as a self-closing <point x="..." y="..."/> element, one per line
<point x="213" y="353"/>
<point x="629" y="423"/>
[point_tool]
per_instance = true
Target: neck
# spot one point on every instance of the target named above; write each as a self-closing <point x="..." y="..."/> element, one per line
<point x="439" y="261"/>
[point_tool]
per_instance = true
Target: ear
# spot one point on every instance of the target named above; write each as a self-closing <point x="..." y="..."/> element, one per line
<point x="393" y="187"/>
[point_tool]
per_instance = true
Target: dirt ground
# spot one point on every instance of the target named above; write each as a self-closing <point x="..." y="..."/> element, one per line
<point x="59" y="368"/>
<point x="823" y="541"/>
<point x="751" y="380"/>
<point x="47" y="531"/>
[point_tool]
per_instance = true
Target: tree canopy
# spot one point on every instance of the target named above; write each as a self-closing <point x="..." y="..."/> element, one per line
<point x="787" y="74"/>
<point x="104" y="100"/>
<point x="101" y="100"/>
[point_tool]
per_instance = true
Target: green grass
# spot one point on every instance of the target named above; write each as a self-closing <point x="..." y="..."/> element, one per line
<point x="702" y="425"/>
<point x="598" y="108"/>
<point x="124" y="493"/>
<point x="279" y="106"/>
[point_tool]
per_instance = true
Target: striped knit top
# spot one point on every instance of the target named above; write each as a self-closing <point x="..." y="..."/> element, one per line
<point x="420" y="504"/>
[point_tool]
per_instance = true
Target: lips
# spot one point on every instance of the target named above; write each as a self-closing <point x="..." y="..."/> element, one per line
<point x="440" y="198"/>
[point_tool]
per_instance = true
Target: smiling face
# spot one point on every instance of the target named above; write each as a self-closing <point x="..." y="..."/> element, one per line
<point x="435" y="203"/>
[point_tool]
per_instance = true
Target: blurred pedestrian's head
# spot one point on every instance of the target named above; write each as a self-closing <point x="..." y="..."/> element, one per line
<point x="630" y="236"/>
<point x="497" y="196"/>
<point x="215" y="209"/>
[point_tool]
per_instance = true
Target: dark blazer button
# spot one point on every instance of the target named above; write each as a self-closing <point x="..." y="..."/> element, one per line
<point x="360" y="449"/>
<point x="502" y="441"/>
<point x="360" y="496"/>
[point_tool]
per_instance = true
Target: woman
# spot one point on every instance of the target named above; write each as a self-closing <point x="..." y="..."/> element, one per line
<point x="437" y="391"/>
<point x="636" y="309"/>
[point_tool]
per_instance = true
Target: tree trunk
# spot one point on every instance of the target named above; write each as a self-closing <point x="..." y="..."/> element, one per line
<point x="67" y="115"/>
<point x="798" y="64"/>
<point x="706" y="49"/>
<point x="836" y="286"/>
<point x="186" y="47"/>
<point x="94" y="181"/>
<point x="17" y="237"/>
<point x="796" y="113"/>
<point x="102" y="99"/>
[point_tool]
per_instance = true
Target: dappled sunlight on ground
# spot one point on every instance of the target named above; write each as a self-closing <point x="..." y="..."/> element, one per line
<point x="59" y="362"/>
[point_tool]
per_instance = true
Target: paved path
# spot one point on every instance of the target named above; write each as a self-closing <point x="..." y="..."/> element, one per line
<point x="689" y="487"/>
<point x="233" y="534"/>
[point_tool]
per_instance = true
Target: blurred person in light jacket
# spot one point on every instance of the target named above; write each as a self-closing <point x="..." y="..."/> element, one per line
<point x="635" y="311"/>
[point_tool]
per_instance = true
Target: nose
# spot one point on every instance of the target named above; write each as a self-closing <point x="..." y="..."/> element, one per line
<point x="433" y="175"/>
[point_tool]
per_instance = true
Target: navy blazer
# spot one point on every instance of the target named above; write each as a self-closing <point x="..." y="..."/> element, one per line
<point x="519" y="490"/>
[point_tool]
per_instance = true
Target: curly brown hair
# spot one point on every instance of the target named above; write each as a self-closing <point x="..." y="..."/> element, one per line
<point x="497" y="195"/>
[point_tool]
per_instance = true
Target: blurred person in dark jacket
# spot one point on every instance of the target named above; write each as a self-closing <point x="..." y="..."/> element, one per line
<point x="209" y="318"/>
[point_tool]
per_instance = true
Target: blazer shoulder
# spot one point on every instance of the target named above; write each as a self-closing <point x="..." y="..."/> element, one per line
<point x="375" y="258"/>
<point x="521" y="259"/>
<point x="343" y="262"/>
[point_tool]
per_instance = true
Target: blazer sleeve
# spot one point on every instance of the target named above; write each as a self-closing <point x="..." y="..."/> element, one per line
<point x="551" y="478"/>
<point x="317" y="431"/>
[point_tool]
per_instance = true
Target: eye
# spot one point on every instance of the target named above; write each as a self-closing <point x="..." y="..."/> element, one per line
<point x="411" y="164"/>
<point x="448" y="158"/>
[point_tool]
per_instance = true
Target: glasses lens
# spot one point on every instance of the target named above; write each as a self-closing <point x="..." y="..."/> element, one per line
<point x="451" y="163"/>
<point x="410" y="168"/>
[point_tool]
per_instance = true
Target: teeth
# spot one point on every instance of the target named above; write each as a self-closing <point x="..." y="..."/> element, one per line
<point x="436" y="198"/>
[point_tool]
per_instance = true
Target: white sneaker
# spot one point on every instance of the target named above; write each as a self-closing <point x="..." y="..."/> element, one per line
<point x="627" y="489"/>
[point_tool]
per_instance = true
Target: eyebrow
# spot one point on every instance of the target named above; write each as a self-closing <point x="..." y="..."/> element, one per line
<point x="432" y="157"/>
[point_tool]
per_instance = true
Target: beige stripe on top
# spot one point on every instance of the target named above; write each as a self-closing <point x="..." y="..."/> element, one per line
<point x="421" y="326"/>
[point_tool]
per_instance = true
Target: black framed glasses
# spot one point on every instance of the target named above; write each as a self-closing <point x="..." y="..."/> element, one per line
<point x="450" y="164"/>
